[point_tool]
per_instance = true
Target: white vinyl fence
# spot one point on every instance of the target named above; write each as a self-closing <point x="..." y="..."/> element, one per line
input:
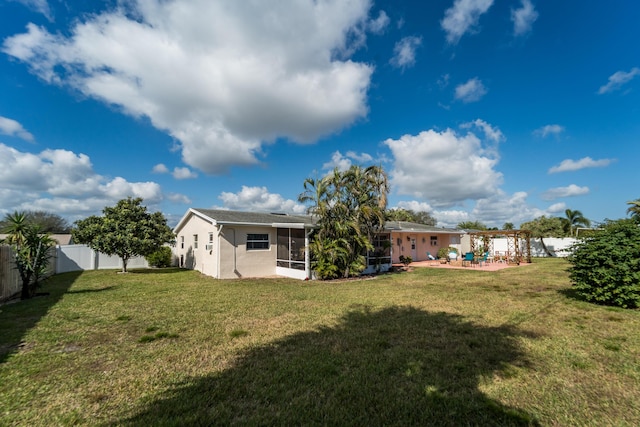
<point x="558" y="247"/>
<point x="82" y="257"/>
<point x="63" y="259"/>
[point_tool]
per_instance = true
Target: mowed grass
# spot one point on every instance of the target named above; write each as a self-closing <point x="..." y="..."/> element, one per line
<point x="427" y="347"/>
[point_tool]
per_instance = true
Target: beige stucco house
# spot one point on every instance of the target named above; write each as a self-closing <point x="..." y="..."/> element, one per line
<point x="232" y="244"/>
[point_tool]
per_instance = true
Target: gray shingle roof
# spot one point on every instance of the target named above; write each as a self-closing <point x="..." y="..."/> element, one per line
<point x="239" y="217"/>
<point x="418" y="228"/>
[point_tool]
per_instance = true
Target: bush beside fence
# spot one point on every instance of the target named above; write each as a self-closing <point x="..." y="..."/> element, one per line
<point x="63" y="259"/>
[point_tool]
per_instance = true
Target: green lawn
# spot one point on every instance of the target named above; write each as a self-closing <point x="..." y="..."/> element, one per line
<point x="428" y="347"/>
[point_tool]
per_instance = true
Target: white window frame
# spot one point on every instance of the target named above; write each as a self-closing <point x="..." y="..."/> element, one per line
<point x="253" y="241"/>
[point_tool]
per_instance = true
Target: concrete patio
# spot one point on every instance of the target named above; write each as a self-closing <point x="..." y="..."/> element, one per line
<point x="457" y="265"/>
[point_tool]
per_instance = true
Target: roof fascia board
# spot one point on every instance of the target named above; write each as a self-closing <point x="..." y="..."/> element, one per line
<point x="187" y="215"/>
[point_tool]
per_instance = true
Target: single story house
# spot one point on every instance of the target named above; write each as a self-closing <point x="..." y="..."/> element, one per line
<point x="231" y="244"/>
<point x="418" y="241"/>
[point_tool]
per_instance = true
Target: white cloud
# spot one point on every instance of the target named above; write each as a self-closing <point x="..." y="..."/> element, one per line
<point x="179" y="198"/>
<point x="493" y="211"/>
<point x="415" y="206"/>
<point x="501" y="207"/>
<point x="344" y="162"/>
<point x="569" y="191"/>
<point x="378" y="25"/>
<point x="443" y="168"/>
<point x="492" y="133"/>
<point x="450" y="217"/>
<point x="557" y="207"/>
<point x="570" y="165"/>
<point x="443" y="81"/>
<point x="618" y="79"/>
<point x="404" y="52"/>
<point x="184" y="173"/>
<point x="223" y="78"/>
<point x="63" y="182"/>
<point x="463" y="17"/>
<point x="547" y="130"/>
<point x="471" y="91"/>
<point x="40" y="6"/>
<point x="259" y="199"/>
<point x="12" y="128"/>
<point x="523" y="18"/>
<point x="160" y="168"/>
<point x="360" y="158"/>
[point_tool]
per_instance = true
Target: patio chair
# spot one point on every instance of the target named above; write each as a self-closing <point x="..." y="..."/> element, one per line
<point x="468" y="257"/>
<point x="482" y="259"/>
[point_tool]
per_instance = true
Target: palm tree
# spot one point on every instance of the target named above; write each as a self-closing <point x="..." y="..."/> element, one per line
<point x="16" y="227"/>
<point x="349" y="207"/>
<point x="30" y="250"/>
<point x="634" y="209"/>
<point x="573" y="220"/>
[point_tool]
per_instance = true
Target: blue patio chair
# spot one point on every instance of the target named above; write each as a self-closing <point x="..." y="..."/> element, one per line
<point x="483" y="259"/>
<point x="468" y="257"/>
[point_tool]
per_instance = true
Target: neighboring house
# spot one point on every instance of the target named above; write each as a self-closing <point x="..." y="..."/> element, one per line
<point x="61" y="239"/>
<point x="231" y="244"/>
<point x="416" y="240"/>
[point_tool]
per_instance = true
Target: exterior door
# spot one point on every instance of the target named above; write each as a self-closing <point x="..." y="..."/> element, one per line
<point x="414" y="249"/>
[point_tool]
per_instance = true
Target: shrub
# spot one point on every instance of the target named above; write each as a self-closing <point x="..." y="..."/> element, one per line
<point x="606" y="265"/>
<point x="444" y="252"/>
<point x="160" y="258"/>
<point x="406" y="260"/>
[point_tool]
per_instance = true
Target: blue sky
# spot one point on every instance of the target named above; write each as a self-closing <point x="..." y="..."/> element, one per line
<point x="496" y="111"/>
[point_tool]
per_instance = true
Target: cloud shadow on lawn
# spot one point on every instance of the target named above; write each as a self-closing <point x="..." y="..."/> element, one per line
<point x="397" y="366"/>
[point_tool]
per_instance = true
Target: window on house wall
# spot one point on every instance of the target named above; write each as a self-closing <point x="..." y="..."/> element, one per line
<point x="210" y="238"/>
<point x="181" y="242"/>
<point x="434" y="240"/>
<point x="195" y="241"/>
<point x="257" y="241"/>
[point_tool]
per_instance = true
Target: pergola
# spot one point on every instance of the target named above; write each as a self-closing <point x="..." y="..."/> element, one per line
<point x="516" y="252"/>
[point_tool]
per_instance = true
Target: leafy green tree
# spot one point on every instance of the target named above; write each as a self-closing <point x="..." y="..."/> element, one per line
<point x="349" y="207"/>
<point x="409" y="215"/>
<point x="634" y="209"/>
<point x="542" y="227"/>
<point x="606" y="265"/>
<point x="125" y="230"/>
<point x="30" y="249"/>
<point x="573" y="220"/>
<point x="472" y="225"/>
<point x="47" y="222"/>
<point x="508" y="226"/>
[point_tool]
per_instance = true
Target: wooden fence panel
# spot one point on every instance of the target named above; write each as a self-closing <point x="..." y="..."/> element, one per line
<point x="10" y="283"/>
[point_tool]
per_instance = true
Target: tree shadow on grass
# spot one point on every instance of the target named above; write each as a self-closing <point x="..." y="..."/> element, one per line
<point x="17" y="318"/>
<point x="397" y="366"/>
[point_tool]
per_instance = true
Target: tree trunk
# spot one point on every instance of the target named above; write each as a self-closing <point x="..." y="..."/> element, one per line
<point x="545" y="247"/>
<point x="124" y="264"/>
<point x="25" y="276"/>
